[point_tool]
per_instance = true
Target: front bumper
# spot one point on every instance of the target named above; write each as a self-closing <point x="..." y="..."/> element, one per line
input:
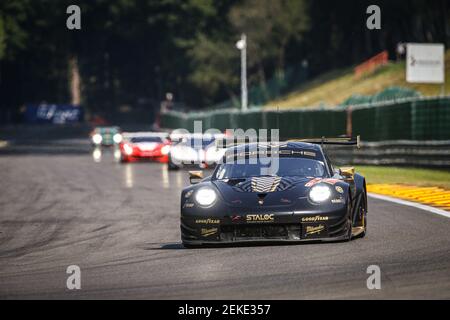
<point x="259" y="241"/>
<point x="104" y="144"/>
<point x="153" y="156"/>
<point x="265" y="228"/>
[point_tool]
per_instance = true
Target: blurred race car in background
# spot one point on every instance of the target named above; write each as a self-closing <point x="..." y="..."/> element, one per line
<point x="144" y="145"/>
<point x="302" y="198"/>
<point x="194" y="150"/>
<point x="106" y="136"/>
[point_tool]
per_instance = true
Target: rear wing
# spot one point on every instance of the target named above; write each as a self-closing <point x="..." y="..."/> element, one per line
<point x="143" y="134"/>
<point x="342" y="141"/>
<point x="176" y="137"/>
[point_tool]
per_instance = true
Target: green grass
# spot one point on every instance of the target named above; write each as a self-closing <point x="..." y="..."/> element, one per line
<point x="411" y="176"/>
<point x="335" y="87"/>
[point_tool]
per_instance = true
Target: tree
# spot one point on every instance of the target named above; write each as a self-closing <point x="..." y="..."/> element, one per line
<point x="270" y="26"/>
<point x="13" y="36"/>
<point x="215" y="66"/>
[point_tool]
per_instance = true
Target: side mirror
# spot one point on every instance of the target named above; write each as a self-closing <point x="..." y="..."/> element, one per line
<point x="347" y="172"/>
<point x="195" y="176"/>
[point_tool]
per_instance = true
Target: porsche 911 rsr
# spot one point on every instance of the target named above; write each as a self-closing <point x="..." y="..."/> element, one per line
<point x="144" y="145"/>
<point x="106" y="136"/>
<point x="302" y="198"/>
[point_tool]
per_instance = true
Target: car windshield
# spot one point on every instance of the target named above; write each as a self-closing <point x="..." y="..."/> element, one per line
<point x="287" y="166"/>
<point x="198" y="143"/>
<point x="146" y="139"/>
<point x="107" y="130"/>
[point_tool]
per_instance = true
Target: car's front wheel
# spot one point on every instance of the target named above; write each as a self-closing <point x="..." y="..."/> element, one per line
<point x="349" y="227"/>
<point x="171" y="165"/>
<point x="362" y="214"/>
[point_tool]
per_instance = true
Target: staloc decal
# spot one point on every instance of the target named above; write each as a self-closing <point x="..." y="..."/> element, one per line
<point x="259" y="217"/>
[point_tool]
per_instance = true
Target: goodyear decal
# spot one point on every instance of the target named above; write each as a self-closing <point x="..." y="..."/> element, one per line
<point x="207" y="221"/>
<point x="315" y="218"/>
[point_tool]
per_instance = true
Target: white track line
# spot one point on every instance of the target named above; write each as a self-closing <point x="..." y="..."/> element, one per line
<point x="411" y="204"/>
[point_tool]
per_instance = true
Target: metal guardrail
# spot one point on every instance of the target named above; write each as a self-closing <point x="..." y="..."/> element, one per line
<point x="397" y="152"/>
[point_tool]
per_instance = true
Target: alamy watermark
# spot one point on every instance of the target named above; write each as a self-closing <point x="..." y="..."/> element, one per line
<point x="73" y="282"/>
<point x="262" y="147"/>
<point x="374" y="280"/>
<point x="373" y="22"/>
<point x="73" y="22"/>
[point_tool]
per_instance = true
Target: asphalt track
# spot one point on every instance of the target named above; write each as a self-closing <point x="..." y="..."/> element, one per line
<point x="120" y="225"/>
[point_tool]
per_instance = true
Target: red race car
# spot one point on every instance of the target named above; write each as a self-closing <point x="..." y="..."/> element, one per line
<point x="144" y="145"/>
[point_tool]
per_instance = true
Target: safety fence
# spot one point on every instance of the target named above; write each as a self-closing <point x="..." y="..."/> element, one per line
<point x="389" y="94"/>
<point x="403" y="119"/>
<point x="396" y="152"/>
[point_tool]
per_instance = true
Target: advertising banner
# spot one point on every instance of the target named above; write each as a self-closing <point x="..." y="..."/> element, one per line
<point x="53" y="113"/>
<point x="425" y="63"/>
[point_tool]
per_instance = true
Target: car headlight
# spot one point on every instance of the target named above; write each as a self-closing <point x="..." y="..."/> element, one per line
<point x="128" y="149"/>
<point x="205" y="197"/>
<point x="165" y="150"/>
<point x="97" y="138"/>
<point x="319" y="193"/>
<point x="117" y="138"/>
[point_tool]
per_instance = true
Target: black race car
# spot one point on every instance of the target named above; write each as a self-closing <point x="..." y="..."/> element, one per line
<point x="284" y="192"/>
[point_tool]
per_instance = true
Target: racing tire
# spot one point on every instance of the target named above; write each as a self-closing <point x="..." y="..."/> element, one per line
<point x="349" y="221"/>
<point x="362" y="209"/>
<point x="124" y="159"/>
<point x="171" y="165"/>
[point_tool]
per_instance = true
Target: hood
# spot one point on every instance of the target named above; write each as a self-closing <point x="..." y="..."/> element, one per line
<point x="262" y="191"/>
<point x="146" y="146"/>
